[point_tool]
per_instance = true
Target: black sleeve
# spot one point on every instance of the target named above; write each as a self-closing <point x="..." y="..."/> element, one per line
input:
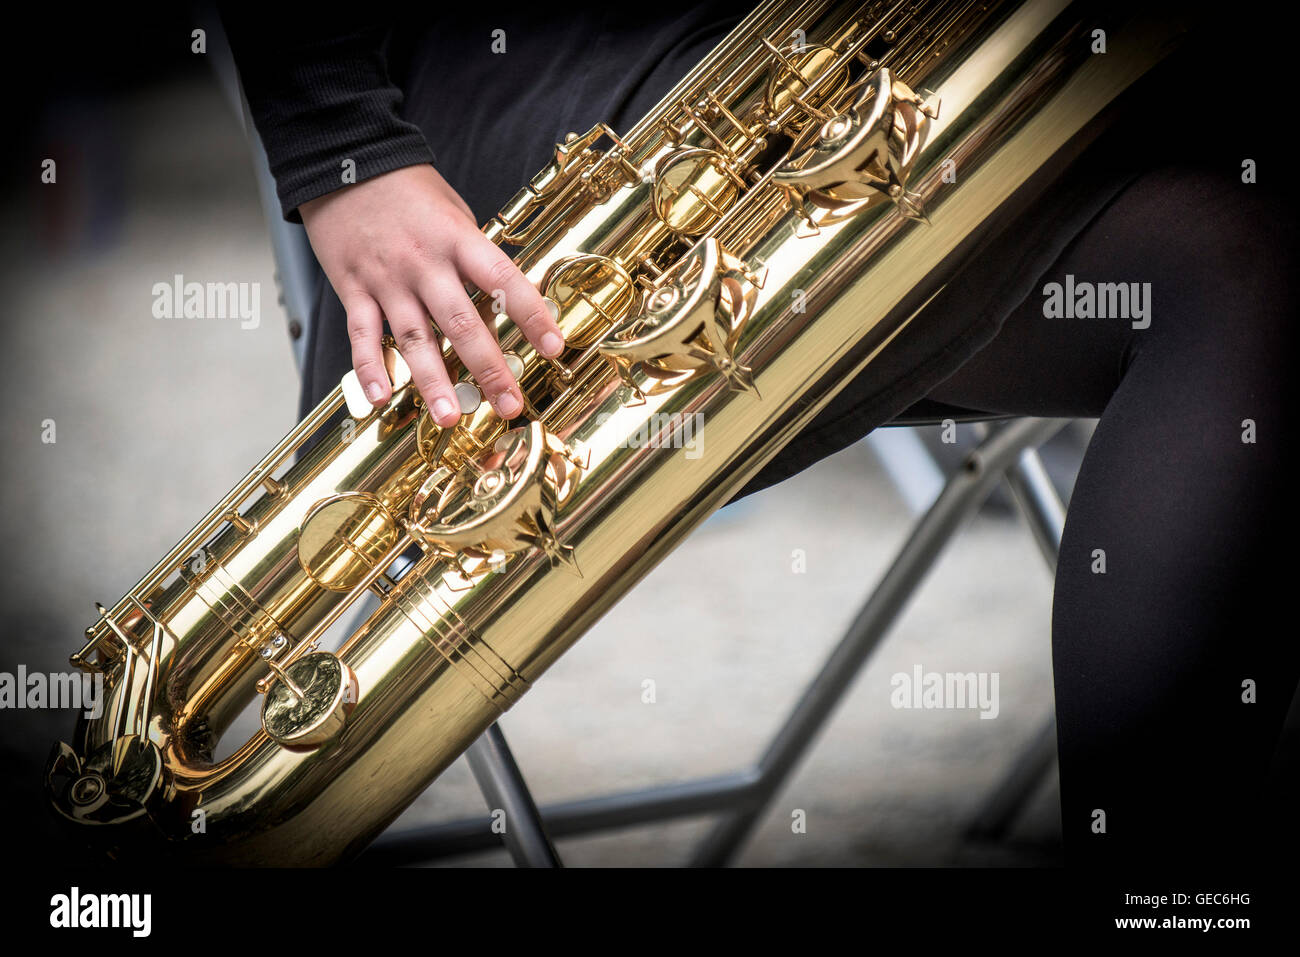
<point x="320" y="94"/>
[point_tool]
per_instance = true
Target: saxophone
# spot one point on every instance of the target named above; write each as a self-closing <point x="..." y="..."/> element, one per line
<point x="719" y="272"/>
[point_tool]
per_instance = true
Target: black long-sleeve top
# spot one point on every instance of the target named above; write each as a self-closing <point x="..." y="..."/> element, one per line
<point x="386" y="87"/>
<point x="320" y="92"/>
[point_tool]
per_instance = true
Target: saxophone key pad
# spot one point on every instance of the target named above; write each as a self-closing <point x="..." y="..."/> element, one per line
<point x="310" y="702"/>
<point x="690" y="323"/>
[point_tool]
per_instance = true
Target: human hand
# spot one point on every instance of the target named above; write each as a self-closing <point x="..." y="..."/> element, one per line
<point x="401" y="247"/>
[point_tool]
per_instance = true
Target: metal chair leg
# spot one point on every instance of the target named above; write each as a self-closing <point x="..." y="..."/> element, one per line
<point x="1039" y="503"/>
<point x="503" y="788"/>
<point x="1045" y="513"/>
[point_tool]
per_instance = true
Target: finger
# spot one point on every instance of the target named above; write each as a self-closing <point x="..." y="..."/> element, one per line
<point x="492" y="270"/>
<point x="469" y="337"/>
<point x="419" y="347"/>
<point x="472" y="290"/>
<point x="365" y="330"/>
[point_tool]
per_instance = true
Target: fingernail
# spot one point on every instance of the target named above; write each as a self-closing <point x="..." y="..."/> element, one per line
<point x="507" y="405"/>
<point x="552" y="345"/>
<point x="442" y="408"/>
<point x="374" y="391"/>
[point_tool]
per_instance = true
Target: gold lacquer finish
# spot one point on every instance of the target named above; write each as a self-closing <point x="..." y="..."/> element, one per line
<point x="342" y="537"/>
<point x="739" y="255"/>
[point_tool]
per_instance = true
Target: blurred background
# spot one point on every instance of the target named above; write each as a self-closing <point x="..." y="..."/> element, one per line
<point x="153" y="420"/>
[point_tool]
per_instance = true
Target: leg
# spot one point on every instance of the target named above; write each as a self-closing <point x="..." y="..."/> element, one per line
<point x="1151" y="655"/>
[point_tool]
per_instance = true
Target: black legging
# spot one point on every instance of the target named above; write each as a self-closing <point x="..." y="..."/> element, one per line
<point x="1150" y="657"/>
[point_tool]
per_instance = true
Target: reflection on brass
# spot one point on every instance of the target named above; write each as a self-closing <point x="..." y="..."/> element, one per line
<point x="736" y="258"/>
<point x="797" y="70"/>
<point x="690" y="323"/>
<point x="867" y="150"/>
<point x="693" y="191"/>
<point x="506" y="501"/>
<point x="112" y="786"/>
<point x="592" y="292"/>
<point x="342" y="537"/>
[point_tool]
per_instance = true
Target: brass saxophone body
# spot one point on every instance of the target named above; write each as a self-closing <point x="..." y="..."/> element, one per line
<point x="720" y="272"/>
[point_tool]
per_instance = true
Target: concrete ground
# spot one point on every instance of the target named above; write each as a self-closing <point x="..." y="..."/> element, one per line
<point x="156" y="418"/>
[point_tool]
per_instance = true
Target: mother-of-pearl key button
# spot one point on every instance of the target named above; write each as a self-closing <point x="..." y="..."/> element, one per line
<point x="469" y="397"/>
<point x="515" y="365"/>
<point x="358" y="405"/>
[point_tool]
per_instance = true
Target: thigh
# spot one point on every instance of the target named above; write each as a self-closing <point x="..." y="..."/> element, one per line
<point x="1152" y="276"/>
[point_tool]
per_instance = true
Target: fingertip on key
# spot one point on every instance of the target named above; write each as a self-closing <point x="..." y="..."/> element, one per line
<point x="552" y="345"/>
<point x="507" y="405"/>
<point x="444" y="411"/>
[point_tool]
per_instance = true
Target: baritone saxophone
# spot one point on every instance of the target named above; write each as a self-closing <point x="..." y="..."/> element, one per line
<point x="725" y="266"/>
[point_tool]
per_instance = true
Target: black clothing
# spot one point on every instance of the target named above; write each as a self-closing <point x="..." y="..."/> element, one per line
<point x="375" y="86"/>
<point x="1149" y="657"/>
<point x="320" y="94"/>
